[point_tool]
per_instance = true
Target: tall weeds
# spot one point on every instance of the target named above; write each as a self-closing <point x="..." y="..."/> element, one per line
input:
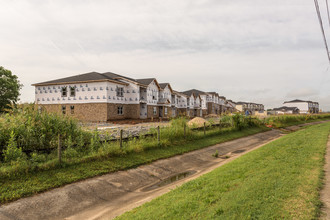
<point x="35" y="130"/>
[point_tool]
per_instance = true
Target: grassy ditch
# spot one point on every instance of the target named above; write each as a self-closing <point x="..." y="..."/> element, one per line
<point x="280" y="180"/>
<point x="26" y="174"/>
<point x="282" y="121"/>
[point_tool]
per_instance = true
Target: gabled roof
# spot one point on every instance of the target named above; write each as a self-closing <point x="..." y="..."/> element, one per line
<point x="117" y="76"/>
<point x="86" y="77"/>
<point x="147" y="81"/>
<point x="285" y="108"/>
<point x="194" y="91"/>
<point x="179" y="93"/>
<point x="213" y="93"/>
<point x="242" y="103"/>
<point x="92" y="76"/>
<point x="296" y="100"/>
<point x="163" y="86"/>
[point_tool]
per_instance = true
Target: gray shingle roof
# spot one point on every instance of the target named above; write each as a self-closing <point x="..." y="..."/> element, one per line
<point x="285" y="108"/>
<point x="163" y="85"/>
<point x="114" y="76"/>
<point x="296" y="100"/>
<point x="145" y="81"/>
<point x="78" y="78"/>
<point x="194" y="91"/>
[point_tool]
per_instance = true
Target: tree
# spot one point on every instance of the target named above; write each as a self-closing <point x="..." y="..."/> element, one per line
<point x="9" y="88"/>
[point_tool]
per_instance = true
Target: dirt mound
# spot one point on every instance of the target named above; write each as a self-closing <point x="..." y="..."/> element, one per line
<point x="197" y="122"/>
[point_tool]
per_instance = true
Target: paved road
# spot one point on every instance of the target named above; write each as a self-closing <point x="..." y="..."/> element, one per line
<point x="110" y="195"/>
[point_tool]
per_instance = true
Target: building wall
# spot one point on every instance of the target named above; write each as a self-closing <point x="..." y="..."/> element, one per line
<point x="93" y="112"/>
<point x="182" y="111"/>
<point x="166" y="94"/>
<point x="302" y="106"/>
<point x="95" y="92"/>
<point x="150" y="111"/>
<point x="204" y="101"/>
<point x="131" y="94"/>
<point x="130" y="111"/>
<point x="204" y="112"/>
<point x="182" y="102"/>
<point x="239" y="107"/>
<point x="191" y="102"/>
<point x="169" y="112"/>
<point x="152" y="90"/>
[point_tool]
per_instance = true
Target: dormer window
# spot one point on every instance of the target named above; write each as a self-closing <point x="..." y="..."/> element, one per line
<point x="64" y="92"/>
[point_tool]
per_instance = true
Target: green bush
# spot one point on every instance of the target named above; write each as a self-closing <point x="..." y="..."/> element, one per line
<point x="35" y="130"/>
<point x="239" y="121"/>
<point x="12" y="152"/>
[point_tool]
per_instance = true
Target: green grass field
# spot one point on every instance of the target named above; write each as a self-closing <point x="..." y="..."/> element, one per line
<point x="24" y="184"/>
<point x="280" y="180"/>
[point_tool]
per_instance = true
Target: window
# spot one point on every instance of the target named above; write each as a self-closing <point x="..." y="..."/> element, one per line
<point x="165" y="111"/>
<point x="72" y="91"/>
<point x="155" y="110"/>
<point x="120" y="110"/>
<point x="154" y="95"/>
<point x="120" y="91"/>
<point x="64" y="91"/>
<point x="63" y="109"/>
<point x="72" y="109"/>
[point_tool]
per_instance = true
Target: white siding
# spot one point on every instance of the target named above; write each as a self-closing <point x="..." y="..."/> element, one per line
<point x="302" y="106"/>
<point x="152" y="93"/>
<point x="96" y="92"/>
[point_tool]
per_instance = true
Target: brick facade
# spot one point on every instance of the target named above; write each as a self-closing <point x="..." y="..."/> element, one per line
<point x="85" y="112"/>
<point x="96" y="112"/>
<point x="150" y="111"/>
<point x="130" y="111"/>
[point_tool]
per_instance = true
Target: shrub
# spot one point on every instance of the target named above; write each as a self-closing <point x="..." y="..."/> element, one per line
<point x="12" y="152"/>
<point x="95" y="142"/>
<point x="239" y="121"/>
<point x="35" y="130"/>
<point x="38" y="158"/>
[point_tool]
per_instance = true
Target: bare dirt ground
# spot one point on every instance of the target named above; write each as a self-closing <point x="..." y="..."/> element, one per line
<point x="110" y="195"/>
<point x="325" y="192"/>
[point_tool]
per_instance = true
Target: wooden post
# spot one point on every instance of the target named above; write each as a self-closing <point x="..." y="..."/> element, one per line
<point x="59" y="149"/>
<point x="204" y="128"/>
<point x="158" y="134"/>
<point x="121" y="138"/>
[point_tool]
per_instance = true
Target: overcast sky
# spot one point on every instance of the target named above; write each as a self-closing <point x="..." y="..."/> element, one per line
<point x="263" y="51"/>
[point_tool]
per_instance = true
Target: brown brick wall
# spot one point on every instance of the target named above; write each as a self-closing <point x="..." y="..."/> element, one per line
<point x="204" y="112"/>
<point x="181" y="112"/>
<point x="191" y="113"/>
<point x="150" y="113"/>
<point x="169" y="112"/>
<point x="93" y="112"/>
<point x="130" y="111"/>
<point x="210" y="108"/>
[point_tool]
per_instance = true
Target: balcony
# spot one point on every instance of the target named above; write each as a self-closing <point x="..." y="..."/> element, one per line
<point x="143" y="99"/>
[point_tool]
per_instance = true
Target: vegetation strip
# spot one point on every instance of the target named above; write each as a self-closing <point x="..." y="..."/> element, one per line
<point x="17" y="186"/>
<point x="280" y="180"/>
